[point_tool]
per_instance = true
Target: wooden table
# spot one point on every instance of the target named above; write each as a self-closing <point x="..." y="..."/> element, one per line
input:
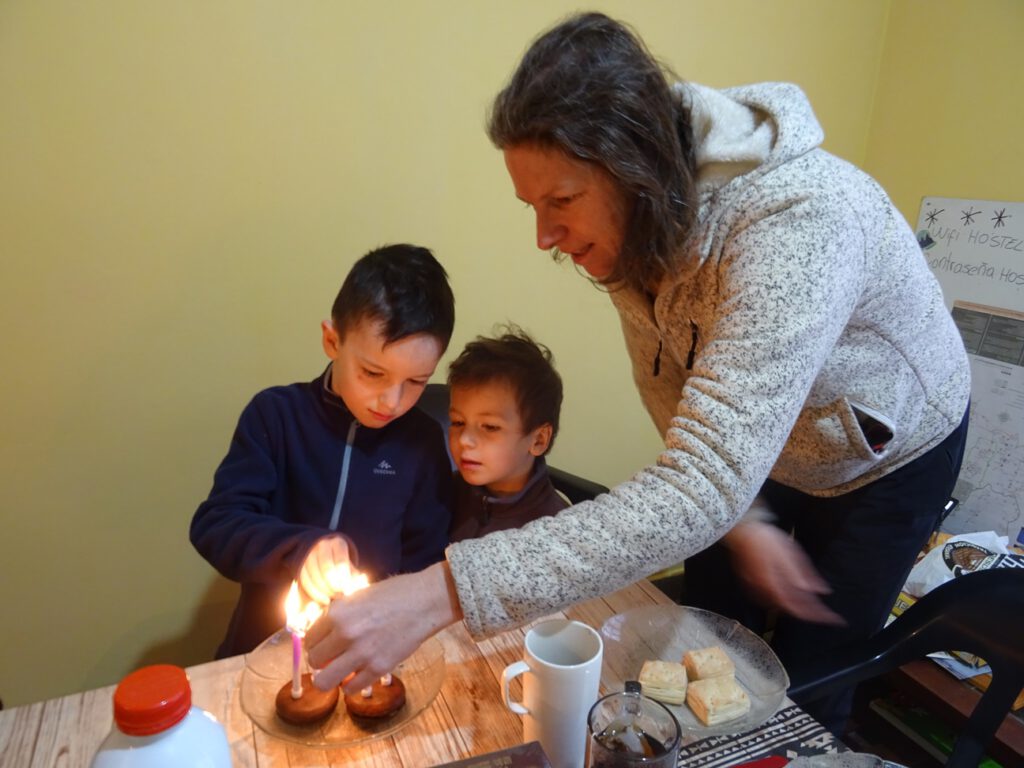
<point x="466" y="719"/>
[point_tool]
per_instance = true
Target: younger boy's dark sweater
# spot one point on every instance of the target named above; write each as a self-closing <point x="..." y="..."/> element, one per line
<point x="298" y="460"/>
<point x="477" y="513"/>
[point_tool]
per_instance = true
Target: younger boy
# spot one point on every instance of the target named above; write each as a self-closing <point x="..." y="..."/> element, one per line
<point x="505" y="401"/>
<point x="317" y="472"/>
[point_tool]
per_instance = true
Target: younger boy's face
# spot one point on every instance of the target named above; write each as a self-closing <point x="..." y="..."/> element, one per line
<point x="379" y="383"/>
<point x="487" y="441"/>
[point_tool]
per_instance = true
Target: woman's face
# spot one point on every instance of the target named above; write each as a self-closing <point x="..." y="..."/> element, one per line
<point x="580" y="209"/>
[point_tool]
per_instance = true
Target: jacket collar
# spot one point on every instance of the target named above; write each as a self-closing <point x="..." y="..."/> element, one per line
<point x="537" y="475"/>
<point x="332" y="407"/>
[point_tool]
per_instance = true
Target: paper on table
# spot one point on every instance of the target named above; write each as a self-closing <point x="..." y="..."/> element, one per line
<point x="961" y="670"/>
<point x="522" y="756"/>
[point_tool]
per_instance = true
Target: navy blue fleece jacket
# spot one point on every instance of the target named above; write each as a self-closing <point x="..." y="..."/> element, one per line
<point x="299" y="467"/>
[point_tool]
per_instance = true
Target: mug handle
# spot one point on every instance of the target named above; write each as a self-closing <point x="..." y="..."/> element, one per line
<point x="513" y="670"/>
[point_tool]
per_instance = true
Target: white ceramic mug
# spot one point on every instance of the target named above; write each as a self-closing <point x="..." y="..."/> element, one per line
<point x="561" y="671"/>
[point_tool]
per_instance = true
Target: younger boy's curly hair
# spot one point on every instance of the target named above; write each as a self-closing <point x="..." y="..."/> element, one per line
<point x="526" y="366"/>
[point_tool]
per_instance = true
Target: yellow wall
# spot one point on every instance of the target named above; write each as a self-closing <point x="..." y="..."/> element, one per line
<point x="183" y="186"/>
<point x="949" y="113"/>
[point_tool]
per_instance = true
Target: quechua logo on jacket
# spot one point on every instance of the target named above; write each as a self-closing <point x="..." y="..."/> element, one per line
<point x="384" y="468"/>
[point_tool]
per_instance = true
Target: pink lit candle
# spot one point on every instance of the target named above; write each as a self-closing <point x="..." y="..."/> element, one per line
<point x="299" y="620"/>
<point x="296" y="665"/>
<point x="344" y="580"/>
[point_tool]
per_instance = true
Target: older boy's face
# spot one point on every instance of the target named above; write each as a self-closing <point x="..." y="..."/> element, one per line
<point x="379" y="383"/>
<point x="487" y="441"/>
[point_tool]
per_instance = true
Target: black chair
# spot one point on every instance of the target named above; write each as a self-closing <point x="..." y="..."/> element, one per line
<point x="434" y="402"/>
<point x="980" y="613"/>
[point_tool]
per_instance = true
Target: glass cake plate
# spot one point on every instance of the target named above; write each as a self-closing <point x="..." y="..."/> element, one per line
<point x="269" y="667"/>
<point x="665" y="632"/>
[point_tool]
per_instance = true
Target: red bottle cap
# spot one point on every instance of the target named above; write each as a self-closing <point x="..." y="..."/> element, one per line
<point x="152" y="699"/>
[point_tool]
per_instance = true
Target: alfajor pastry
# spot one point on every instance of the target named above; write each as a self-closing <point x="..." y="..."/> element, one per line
<point x="717" y="699"/>
<point x="707" y="662"/>
<point x="664" y="681"/>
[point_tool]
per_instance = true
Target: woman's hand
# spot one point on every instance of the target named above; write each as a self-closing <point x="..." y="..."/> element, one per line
<point x="327" y="554"/>
<point x="776" y="570"/>
<point x="366" y="634"/>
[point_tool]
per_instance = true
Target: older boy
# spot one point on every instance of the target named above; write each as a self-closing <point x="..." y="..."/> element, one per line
<point x="316" y="470"/>
<point x="505" y="401"/>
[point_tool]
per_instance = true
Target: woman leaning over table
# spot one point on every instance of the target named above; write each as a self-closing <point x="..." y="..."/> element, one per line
<point x="786" y="337"/>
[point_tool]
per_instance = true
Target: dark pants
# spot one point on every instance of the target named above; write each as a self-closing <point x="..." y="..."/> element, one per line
<point x="863" y="543"/>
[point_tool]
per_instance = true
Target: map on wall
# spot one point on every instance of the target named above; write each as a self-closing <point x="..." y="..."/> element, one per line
<point x="975" y="248"/>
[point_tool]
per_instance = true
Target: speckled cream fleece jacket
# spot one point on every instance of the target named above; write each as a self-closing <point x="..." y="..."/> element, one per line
<point x="805" y="303"/>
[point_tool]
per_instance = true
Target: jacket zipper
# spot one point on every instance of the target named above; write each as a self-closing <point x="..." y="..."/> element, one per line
<point x="656" y="368"/>
<point x="693" y="346"/>
<point x="343" y="480"/>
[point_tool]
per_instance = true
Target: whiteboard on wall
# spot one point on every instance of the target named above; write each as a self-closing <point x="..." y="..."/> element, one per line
<point x="975" y="248"/>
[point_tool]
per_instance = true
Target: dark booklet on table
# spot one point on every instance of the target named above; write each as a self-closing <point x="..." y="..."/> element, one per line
<point x="521" y="756"/>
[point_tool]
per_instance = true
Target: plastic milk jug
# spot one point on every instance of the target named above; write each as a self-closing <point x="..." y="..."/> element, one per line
<point x="156" y="726"/>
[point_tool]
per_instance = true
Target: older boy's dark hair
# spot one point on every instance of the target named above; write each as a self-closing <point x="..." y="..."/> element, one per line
<point x="524" y="365"/>
<point x="401" y="286"/>
<point x="590" y="88"/>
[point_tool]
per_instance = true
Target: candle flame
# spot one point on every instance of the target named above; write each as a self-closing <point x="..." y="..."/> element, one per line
<point x="345" y="580"/>
<point x="300" y="617"/>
